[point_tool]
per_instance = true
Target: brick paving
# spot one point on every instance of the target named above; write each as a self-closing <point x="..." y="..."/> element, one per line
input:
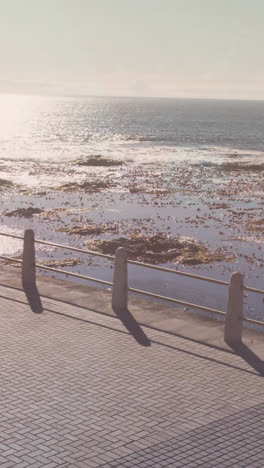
<point x="77" y="390"/>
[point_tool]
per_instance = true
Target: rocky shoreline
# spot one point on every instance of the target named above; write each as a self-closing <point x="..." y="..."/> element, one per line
<point x="97" y="201"/>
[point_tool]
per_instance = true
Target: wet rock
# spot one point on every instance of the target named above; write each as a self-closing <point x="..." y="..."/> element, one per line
<point x="98" y="160"/>
<point x="24" y="212"/>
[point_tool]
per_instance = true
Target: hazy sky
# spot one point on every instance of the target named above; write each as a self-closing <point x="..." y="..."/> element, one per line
<point x="194" y="48"/>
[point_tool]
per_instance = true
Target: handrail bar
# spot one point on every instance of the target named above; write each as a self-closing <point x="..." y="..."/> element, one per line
<point x="15" y="236"/>
<point x="248" y="288"/>
<point x="255" y="322"/>
<point x="137" y="291"/>
<point x="133" y="262"/>
<point x="11" y="259"/>
<point x="57" y="270"/>
<point x="176" y="301"/>
<point x="181" y="273"/>
<point x="67" y="247"/>
<point x="76" y="275"/>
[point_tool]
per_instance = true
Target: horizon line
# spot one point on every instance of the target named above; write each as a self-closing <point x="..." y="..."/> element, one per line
<point x="116" y="96"/>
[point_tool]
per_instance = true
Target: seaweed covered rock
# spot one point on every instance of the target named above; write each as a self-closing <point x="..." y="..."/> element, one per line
<point x="60" y="262"/>
<point x="98" y="160"/>
<point x="87" y="186"/>
<point x="256" y="225"/>
<point x="160" y="248"/>
<point x="5" y="184"/>
<point x="89" y="229"/>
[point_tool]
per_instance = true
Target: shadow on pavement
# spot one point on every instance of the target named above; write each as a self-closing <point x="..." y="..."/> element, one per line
<point x="249" y="356"/>
<point x="132" y="326"/>
<point x="33" y="298"/>
<point x="176" y="348"/>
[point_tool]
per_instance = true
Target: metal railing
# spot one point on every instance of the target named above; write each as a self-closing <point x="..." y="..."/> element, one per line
<point x="234" y="315"/>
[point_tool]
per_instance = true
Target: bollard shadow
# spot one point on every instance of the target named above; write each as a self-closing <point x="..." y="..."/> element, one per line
<point x="132" y="326"/>
<point x="33" y="298"/>
<point x="249" y="356"/>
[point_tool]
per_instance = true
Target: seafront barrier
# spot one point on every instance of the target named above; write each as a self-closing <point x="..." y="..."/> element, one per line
<point x="233" y="316"/>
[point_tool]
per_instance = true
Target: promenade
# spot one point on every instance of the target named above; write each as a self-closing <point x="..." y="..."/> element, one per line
<point x="81" y="387"/>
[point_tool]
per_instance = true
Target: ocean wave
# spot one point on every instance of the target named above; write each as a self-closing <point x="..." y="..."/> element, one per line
<point x="32" y="159"/>
<point x="232" y="166"/>
<point x="243" y="166"/>
<point x="148" y="138"/>
<point x="151" y="138"/>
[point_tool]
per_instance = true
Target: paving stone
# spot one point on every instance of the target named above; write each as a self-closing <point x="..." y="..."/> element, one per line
<point x="78" y="391"/>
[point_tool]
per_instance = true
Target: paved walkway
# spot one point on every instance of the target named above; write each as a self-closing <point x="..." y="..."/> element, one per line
<point x="78" y="390"/>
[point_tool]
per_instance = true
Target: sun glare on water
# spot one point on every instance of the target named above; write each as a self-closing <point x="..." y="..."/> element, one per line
<point x="16" y="111"/>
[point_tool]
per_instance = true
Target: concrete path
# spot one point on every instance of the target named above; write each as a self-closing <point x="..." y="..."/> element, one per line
<point x="79" y="390"/>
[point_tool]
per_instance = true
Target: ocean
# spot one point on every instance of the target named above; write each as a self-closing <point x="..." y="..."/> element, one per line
<point x="58" y="129"/>
<point x="191" y="168"/>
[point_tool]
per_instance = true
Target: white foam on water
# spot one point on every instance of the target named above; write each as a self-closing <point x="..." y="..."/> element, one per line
<point x="8" y="245"/>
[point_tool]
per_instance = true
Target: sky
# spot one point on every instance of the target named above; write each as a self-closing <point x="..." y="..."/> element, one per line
<point x="166" y="48"/>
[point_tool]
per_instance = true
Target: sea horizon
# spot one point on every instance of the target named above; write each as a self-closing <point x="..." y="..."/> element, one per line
<point x="75" y="94"/>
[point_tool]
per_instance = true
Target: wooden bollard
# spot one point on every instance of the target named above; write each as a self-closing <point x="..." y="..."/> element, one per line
<point x="234" y="314"/>
<point x="120" y="287"/>
<point x="28" y="264"/>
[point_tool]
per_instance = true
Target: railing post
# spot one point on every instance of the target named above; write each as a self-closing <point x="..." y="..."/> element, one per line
<point x="233" y="322"/>
<point x="28" y="264"/>
<point x="120" y="288"/>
